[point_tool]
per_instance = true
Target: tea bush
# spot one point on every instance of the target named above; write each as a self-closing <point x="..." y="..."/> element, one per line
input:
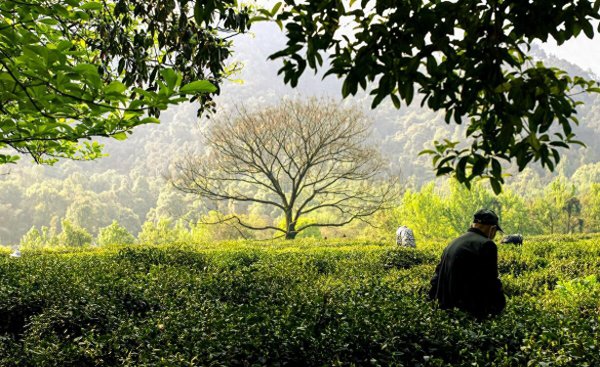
<point x="306" y="302"/>
<point x="5" y="250"/>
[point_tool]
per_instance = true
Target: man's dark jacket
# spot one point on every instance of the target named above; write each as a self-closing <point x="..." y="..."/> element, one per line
<point x="467" y="276"/>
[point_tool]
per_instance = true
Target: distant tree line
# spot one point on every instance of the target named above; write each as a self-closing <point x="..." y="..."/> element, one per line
<point x="564" y="205"/>
<point x="440" y="209"/>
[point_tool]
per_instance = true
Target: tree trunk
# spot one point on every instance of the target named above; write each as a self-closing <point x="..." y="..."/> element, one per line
<point x="290" y="225"/>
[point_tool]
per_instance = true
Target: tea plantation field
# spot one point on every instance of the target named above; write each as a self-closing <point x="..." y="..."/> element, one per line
<point x="309" y="303"/>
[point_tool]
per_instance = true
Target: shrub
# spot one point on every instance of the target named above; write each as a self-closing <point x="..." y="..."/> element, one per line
<point x="32" y="239"/>
<point x="5" y="250"/>
<point x="405" y="258"/>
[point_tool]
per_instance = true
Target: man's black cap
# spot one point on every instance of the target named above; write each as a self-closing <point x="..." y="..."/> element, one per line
<point x="486" y="216"/>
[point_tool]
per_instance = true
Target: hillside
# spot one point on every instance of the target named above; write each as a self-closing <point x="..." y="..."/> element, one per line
<point x="128" y="185"/>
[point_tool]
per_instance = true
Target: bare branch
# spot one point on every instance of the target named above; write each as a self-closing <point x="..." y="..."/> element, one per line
<point x="300" y="157"/>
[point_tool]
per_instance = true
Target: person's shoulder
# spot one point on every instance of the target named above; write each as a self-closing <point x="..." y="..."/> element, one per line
<point x="477" y="237"/>
<point x="488" y="247"/>
<point x="474" y="241"/>
<point x="469" y="237"/>
<point x="460" y="242"/>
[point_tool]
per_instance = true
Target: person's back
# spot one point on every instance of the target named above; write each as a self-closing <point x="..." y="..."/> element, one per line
<point x="405" y="237"/>
<point x="516" y="239"/>
<point x="467" y="276"/>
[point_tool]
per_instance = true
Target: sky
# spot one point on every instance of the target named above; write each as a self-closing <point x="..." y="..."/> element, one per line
<point x="581" y="51"/>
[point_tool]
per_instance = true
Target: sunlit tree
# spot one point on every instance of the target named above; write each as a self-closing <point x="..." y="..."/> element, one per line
<point x="301" y="158"/>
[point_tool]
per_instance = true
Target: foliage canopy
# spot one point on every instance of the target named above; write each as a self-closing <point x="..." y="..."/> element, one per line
<point x="467" y="58"/>
<point x="78" y="69"/>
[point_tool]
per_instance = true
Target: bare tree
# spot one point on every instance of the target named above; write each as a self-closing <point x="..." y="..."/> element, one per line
<point x="300" y="157"/>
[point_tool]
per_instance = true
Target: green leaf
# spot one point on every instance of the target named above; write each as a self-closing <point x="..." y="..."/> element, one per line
<point x="444" y="170"/>
<point x="198" y="86"/>
<point x="8" y="159"/>
<point x="479" y="166"/>
<point x="275" y="8"/>
<point x="199" y="14"/>
<point x="150" y="120"/>
<point x="588" y="29"/>
<point x="395" y="100"/>
<point x="378" y="99"/>
<point x="559" y="144"/>
<point x="6" y="77"/>
<point x="91" y="6"/>
<point x="85" y="68"/>
<point x="49" y="21"/>
<point x="170" y="77"/>
<point x="496" y="168"/>
<point x="408" y="92"/>
<point x="461" y="168"/>
<point x="258" y="19"/>
<point x="534" y="142"/>
<point x="120" y="136"/>
<point x="427" y="151"/>
<point x="115" y="87"/>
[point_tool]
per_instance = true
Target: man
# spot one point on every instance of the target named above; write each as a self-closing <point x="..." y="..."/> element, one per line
<point x="467" y="275"/>
<point x="405" y="237"/>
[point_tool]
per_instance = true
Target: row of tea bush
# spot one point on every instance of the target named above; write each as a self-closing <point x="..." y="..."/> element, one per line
<point x="304" y="302"/>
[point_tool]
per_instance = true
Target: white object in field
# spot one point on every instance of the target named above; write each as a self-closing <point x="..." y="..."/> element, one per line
<point x="16" y="253"/>
<point x="405" y="237"/>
